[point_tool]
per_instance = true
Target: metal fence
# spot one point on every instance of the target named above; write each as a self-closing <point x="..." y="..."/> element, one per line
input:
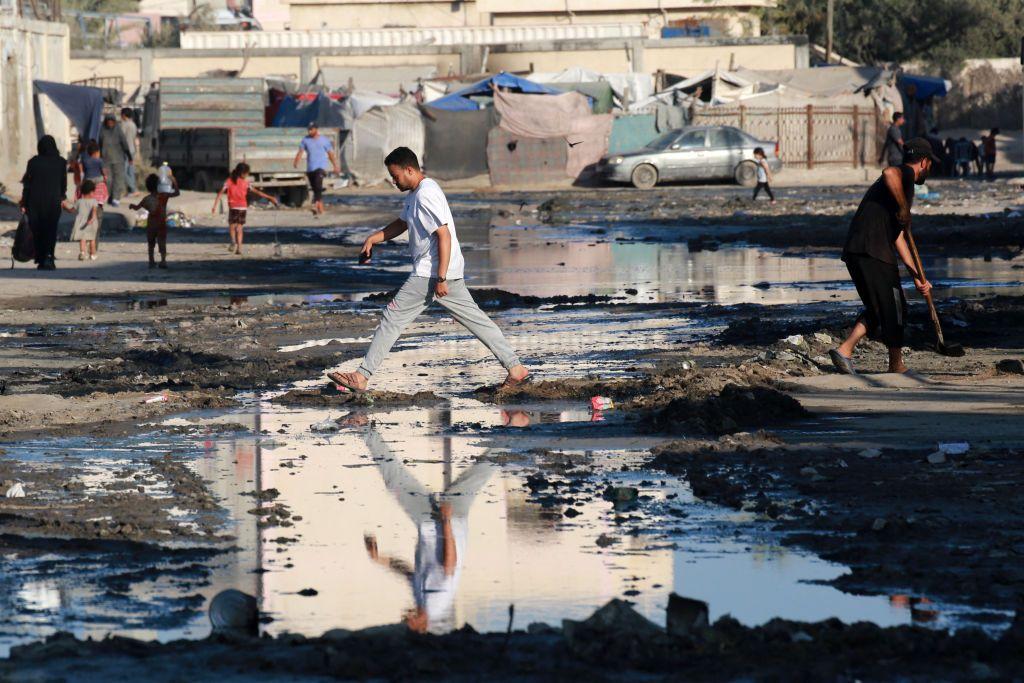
<point x="43" y="10"/>
<point x="807" y="136"/>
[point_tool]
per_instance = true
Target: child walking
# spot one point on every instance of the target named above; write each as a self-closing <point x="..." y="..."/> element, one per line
<point x="155" y="203"/>
<point x="237" y="189"/>
<point x="87" y="220"/>
<point x="764" y="174"/>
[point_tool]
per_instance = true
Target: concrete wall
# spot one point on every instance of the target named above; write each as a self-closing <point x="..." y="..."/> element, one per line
<point x="679" y="55"/>
<point x="29" y="50"/>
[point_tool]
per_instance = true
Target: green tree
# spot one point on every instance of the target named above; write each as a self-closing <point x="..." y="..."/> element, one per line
<point x="941" y="33"/>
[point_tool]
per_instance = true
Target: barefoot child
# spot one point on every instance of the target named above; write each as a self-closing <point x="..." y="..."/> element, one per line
<point x="156" y="226"/>
<point x="238" y="189"/>
<point x="764" y="174"/>
<point x="87" y="220"/>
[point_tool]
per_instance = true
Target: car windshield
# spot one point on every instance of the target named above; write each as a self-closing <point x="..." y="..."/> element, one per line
<point x="663" y="140"/>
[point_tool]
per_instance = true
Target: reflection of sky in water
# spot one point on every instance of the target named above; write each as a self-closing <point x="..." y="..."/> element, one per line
<point x="388" y="482"/>
<point x="547" y="262"/>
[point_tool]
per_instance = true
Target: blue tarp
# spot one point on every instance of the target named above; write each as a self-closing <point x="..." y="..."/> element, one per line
<point x="294" y="113"/>
<point x="459" y="101"/>
<point x="924" y="86"/>
<point x="82" y="104"/>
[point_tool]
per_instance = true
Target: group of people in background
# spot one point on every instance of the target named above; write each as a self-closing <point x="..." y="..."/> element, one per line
<point x="960" y="158"/>
<point x="103" y="171"/>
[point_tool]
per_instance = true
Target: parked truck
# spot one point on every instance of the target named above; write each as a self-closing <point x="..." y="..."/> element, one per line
<point x="203" y="127"/>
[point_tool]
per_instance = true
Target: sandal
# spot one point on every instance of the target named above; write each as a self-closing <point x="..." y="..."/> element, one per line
<point x="843" y="364"/>
<point x="510" y="383"/>
<point x="336" y="377"/>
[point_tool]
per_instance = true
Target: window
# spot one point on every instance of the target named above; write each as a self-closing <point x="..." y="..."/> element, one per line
<point x="695" y="138"/>
<point x="725" y="137"/>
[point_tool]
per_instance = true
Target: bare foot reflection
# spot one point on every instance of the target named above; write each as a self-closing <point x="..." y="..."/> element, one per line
<point x="442" y="527"/>
<point x="515" y="418"/>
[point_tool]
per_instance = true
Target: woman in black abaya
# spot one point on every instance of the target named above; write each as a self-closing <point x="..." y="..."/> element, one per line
<point x="45" y="187"/>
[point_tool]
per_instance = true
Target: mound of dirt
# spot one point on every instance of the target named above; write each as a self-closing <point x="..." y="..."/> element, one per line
<point x="328" y="397"/>
<point x="733" y="409"/>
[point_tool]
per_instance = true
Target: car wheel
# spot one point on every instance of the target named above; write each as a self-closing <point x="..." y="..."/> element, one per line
<point x="644" y="177"/>
<point x="746" y="174"/>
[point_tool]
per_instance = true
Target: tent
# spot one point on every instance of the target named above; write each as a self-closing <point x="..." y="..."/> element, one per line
<point x="456" y="141"/>
<point x="374" y="134"/>
<point x="390" y="80"/>
<point x="83" y="105"/>
<point x="460" y="100"/>
<point x="299" y="112"/>
<point x="628" y="87"/>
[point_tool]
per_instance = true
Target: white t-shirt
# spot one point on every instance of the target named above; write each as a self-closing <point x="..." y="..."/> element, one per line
<point x="762" y="174"/>
<point x="426" y="209"/>
<point x="432" y="589"/>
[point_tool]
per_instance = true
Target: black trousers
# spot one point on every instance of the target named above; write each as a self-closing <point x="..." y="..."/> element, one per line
<point x="316" y="183"/>
<point x="764" y="186"/>
<point x="43" y="221"/>
<point x="885" y="307"/>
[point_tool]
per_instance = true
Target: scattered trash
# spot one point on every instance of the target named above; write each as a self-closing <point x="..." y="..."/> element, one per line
<point x="937" y="458"/>
<point x="601" y="403"/>
<point x="178" y="219"/>
<point x="16" y="491"/>
<point x="158" y="398"/>
<point x="870" y="453"/>
<point x="327" y="426"/>
<point x="878" y="524"/>
<point x="796" y="340"/>
<point x="954" y="447"/>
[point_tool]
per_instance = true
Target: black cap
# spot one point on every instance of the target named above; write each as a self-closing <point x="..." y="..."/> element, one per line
<point x="312" y="125"/>
<point x="109" y="117"/>
<point x="919" y="148"/>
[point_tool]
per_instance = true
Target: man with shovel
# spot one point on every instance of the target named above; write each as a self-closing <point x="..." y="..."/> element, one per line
<point x="878" y="236"/>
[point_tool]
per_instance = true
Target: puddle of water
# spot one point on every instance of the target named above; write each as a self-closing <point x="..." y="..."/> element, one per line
<point x="411" y="517"/>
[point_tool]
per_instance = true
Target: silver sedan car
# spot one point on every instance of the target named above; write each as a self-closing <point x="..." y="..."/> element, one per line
<point x="692" y="153"/>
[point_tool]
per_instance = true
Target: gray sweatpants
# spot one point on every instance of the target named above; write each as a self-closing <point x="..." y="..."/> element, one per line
<point x="414" y="296"/>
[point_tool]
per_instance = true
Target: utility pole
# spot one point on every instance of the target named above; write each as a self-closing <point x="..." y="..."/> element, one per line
<point x="828" y="38"/>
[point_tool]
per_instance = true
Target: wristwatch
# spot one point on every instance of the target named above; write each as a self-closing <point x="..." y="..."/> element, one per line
<point x="441" y="279"/>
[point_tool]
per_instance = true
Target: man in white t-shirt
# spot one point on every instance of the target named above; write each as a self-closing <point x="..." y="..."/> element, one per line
<point x="437" y="275"/>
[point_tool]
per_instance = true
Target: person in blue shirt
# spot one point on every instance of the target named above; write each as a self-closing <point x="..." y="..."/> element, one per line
<point x="319" y="160"/>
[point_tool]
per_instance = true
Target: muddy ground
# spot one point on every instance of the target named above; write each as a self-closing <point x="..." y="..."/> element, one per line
<point x="742" y="410"/>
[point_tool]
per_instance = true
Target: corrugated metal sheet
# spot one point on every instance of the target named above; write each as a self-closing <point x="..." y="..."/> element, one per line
<point x="211" y="103"/>
<point x="406" y="37"/>
<point x="272" y="150"/>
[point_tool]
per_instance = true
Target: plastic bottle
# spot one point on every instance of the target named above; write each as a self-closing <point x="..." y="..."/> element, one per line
<point x="164" y="174"/>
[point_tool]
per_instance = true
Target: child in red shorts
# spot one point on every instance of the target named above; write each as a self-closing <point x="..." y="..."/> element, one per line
<point x="237" y="189"/>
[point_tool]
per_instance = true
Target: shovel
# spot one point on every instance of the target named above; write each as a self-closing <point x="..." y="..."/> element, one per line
<point x="954" y="350"/>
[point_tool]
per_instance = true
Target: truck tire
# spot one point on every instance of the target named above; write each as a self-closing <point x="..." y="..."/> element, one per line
<point x="644" y="177"/>
<point x="746" y="174"/>
<point x="295" y="196"/>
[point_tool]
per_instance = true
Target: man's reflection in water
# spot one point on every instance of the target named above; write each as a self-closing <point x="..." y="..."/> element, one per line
<point x="442" y="526"/>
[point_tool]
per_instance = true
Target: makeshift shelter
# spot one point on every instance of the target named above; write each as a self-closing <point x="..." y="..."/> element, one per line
<point x="600" y="94"/>
<point x="630" y="133"/>
<point x="390" y="80"/>
<point x="463" y="100"/>
<point x="82" y="104"/>
<point x="456" y="141"/>
<point x="513" y="160"/>
<point x="918" y="96"/>
<point x="374" y="134"/>
<point x="627" y="87"/>
<point x="296" y="111"/>
<point x="565" y="116"/>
